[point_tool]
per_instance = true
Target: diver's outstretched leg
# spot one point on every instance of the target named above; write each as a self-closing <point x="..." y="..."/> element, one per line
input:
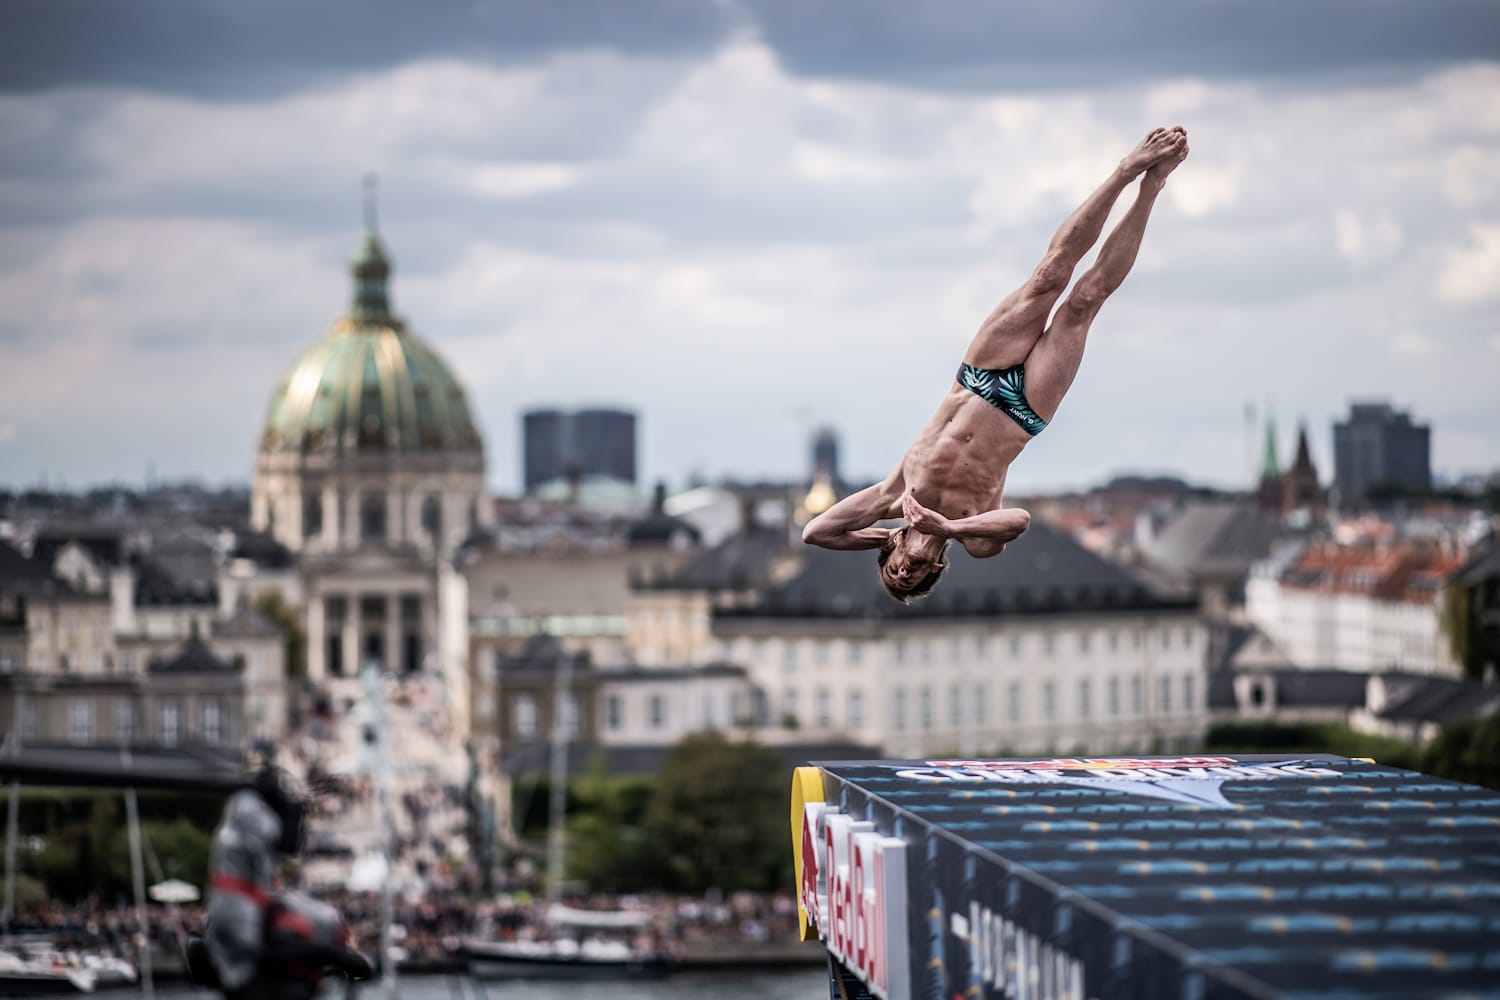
<point x="1009" y="333"/>
<point x="1054" y="361"/>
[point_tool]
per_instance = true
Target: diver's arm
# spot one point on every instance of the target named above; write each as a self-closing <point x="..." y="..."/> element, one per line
<point x="982" y="535"/>
<point x="848" y="524"/>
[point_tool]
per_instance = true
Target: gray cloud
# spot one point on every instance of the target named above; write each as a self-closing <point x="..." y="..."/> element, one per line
<point x="1071" y="44"/>
<point x="228" y="48"/>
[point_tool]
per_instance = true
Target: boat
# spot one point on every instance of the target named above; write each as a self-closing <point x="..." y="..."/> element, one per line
<point x="38" y="974"/>
<point x="581" y="944"/>
<point x="572" y="943"/>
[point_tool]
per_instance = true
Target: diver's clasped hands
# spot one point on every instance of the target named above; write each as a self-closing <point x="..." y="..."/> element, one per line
<point x="928" y="522"/>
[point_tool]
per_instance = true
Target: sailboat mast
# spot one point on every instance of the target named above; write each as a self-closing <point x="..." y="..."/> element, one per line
<point x="558" y="784"/>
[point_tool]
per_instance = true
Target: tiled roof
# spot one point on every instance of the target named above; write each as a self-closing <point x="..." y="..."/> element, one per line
<point x="742" y="562"/>
<point x="194" y="657"/>
<point x="1043" y="571"/>
<point x="1214" y="538"/>
<point x="1443" y="699"/>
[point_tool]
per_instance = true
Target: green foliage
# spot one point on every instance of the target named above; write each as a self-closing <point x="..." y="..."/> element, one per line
<point x="274" y="606"/>
<point x="719" y="815"/>
<point x="530" y="802"/>
<point x="1467" y="750"/>
<point x="85" y="846"/>
<point x="1459" y="623"/>
<point x="1308" y="737"/>
<point x="607" y="844"/>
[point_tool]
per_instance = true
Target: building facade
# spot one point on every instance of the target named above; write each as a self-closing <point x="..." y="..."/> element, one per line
<point x="1366" y="607"/>
<point x="1378" y="447"/>
<point x="561" y="446"/>
<point x="371" y="471"/>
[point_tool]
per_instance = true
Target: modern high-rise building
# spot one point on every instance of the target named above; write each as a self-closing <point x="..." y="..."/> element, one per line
<point x="567" y="445"/>
<point x="1377" y="446"/>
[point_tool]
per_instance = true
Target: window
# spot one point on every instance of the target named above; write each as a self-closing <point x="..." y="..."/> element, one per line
<point x="1166" y="694"/>
<point x="789" y="704"/>
<point x="570" y="716"/>
<point x="1187" y="637"/>
<point x="525" y="716"/>
<point x="372" y="517"/>
<point x="1083" y="642"/>
<point x="213" y="731"/>
<point x="28" y="721"/>
<point x="80" y="721"/>
<point x="124" y="722"/>
<point x="312" y="515"/>
<point x="7" y="662"/>
<point x="789" y="655"/>
<point x="1112" y="696"/>
<point x="898" y="650"/>
<point x="708" y="710"/>
<point x="898" y="709"/>
<point x="1166" y="639"/>
<point x="41" y="662"/>
<point x="658" y="711"/>
<point x="980" y="696"/>
<point x="432" y="520"/>
<point x="1013" y="701"/>
<point x="924" y="708"/>
<point x="1189" y="692"/>
<point x="64" y="663"/>
<point x="980" y="647"/>
<point x="1135" y="638"/>
<point x="856" y="709"/>
<point x="734" y="708"/>
<point x="1085" y="698"/>
<point x="924" y="649"/>
<point x="614" y="713"/>
<point x="820" y="651"/>
<point x="1047" y="644"/>
<point x="1015" y="645"/>
<point x="1049" y="700"/>
<point x="1137" y="701"/>
<point x="955" y="705"/>
<point x="823" y="709"/>
<point x="169" y="723"/>
<point x="1112" y="638"/>
<point x="856" y="651"/>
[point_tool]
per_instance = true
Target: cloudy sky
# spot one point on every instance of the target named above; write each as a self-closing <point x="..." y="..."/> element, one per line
<point x="744" y="218"/>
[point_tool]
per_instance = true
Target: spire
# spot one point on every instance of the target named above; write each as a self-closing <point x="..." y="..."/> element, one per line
<point x="371" y="268"/>
<point x="1304" y="455"/>
<point x="1270" y="468"/>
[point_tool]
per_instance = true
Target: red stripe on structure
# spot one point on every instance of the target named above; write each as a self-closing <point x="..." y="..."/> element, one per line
<point x="238" y="886"/>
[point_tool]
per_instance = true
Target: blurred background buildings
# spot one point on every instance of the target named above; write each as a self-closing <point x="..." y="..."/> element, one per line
<point x="1131" y="618"/>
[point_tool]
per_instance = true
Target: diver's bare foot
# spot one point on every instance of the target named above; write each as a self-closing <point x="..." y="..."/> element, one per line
<point x="1156" y="174"/>
<point x="1157" y="146"/>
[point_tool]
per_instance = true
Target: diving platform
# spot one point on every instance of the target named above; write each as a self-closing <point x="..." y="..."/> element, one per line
<point x="1206" y="877"/>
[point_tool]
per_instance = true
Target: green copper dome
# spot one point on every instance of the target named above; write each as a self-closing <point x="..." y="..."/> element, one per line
<point x="369" y="385"/>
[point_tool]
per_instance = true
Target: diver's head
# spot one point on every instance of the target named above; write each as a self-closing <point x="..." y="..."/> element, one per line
<point x="910" y="563"/>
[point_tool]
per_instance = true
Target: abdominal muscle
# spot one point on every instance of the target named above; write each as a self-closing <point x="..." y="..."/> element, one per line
<point x="958" y="463"/>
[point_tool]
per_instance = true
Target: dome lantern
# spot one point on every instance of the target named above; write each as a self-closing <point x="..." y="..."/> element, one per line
<point x="372" y="269"/>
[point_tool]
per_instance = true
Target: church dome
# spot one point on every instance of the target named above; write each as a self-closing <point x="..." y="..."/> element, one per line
<point x="369" y="385"/>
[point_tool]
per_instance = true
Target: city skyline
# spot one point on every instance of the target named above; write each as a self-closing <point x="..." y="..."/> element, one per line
<point x="743" y="221"/>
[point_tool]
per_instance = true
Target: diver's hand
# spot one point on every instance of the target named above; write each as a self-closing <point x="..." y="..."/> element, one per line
<point x="928" y="522"/>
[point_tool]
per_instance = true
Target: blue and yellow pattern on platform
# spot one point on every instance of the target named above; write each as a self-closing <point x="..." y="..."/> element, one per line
<point x="1150" y="878"/>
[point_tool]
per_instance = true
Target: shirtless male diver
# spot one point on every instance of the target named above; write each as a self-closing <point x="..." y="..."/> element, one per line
<point x="950" y="482"/>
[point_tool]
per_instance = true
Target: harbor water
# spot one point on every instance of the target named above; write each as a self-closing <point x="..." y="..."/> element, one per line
<point x="804" y="983"/>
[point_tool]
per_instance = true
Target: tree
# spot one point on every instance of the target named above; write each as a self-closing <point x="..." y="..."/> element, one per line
<point x="274" y="606"/>
<point x="1472" y="647"/>
<point x="719" y="815"/>
<point x="1467" y="750"/>
<point x="608" y="846"/>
